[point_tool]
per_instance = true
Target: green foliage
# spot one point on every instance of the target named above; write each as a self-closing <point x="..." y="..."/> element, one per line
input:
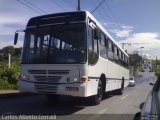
<point x="155" y="63"/>
<point x="9" y="77"/>
<point x="135" y="60"/>
<point x="15" y="53"/>
<point x="5" y="85"/>
<point x="157" y="72"/>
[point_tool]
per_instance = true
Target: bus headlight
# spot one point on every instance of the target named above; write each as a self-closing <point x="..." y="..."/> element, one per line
<point x="24" y="77"/>
<point x="75" y="79"/>
<point x="72" y="79"/>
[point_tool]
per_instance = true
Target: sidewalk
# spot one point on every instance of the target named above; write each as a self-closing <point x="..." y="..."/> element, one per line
<point x="8" y="91"/>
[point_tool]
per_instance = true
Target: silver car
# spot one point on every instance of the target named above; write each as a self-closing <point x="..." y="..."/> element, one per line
<point x="131" y="81"/>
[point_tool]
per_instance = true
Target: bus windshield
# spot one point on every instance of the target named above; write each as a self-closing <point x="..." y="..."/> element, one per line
<point x="58" y="44"/>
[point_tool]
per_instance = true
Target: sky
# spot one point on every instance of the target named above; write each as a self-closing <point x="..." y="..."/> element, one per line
<point x="136" y="22"/>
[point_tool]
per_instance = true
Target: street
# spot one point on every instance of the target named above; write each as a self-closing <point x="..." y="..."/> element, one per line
<point x="119" y="107"/>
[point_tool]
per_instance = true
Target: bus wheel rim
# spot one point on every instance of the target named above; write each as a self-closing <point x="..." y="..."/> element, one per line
<point x="99" y="95"/>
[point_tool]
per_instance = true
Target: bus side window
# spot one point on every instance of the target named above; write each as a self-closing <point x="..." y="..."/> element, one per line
<point x="93" y="47"/>
<point x="103" y="49"/>
<point x="109" y="45"/>
<point x="106" y="42"/>
<point x="126" y="62"/>
<point x="95" y="42"/>
<point x="122" y="59"/>
<point x="90" y="40"/>
<point x="115" y="53"/>
<point x="110" y="50"/>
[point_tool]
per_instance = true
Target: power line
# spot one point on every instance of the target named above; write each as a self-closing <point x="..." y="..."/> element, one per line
<point x="113" y="22"/>
<point x="35" y="7"/>
<point x="108" y="7"/>
<point x="100" y="14"/>
<point x="110" y="16"/>
<point x="98" y="6"/>
<point x="29" y="7"/>
<point x="104" y="17"/>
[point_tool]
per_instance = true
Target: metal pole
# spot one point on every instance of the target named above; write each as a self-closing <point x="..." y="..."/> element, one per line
<point x="141" y="59"/>
<point x="79" y="8"/>
<point x="141" y="56"/>
<point x="9" y="60"/>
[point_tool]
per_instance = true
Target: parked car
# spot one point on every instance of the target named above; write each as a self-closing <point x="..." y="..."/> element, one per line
<point x="151" y="108"/>
<point x="131" y="81"/>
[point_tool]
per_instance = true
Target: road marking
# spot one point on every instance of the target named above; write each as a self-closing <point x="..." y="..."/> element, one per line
<point x="103" y="111"/>
<point x="124" y="97"/>
<point x="96" y="116"/>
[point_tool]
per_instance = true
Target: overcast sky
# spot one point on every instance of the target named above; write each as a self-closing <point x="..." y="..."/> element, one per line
<point x="130" y="21"/>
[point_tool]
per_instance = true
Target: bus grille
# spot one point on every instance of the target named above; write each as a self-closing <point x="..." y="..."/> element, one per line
<point x="55" y="72"/>
<point x="48" y="76"/>
<point x="37" y="71"/>
<point x="45" y="88"/>
<point x="49" y="79"/>
<point x="58" y="72"/>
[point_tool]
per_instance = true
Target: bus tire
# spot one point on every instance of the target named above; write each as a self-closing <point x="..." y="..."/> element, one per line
<point x="96" y="99"/>
<point x="120" y="91"/>
<point x="53" y="98"/>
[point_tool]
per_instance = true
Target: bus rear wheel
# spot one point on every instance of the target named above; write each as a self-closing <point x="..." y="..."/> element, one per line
<point x="96" y="99"/>
<point x="120" y="91"/>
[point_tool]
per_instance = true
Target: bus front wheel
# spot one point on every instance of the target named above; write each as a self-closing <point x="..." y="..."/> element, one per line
<point x="96" y="99"/>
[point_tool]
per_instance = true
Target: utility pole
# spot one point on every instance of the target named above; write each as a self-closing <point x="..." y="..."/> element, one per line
<point x="79" y="8"/>
<point x="123" y="44"/>
<point x="9" y="60"/>
<point x="156" y="61"/>
<point x="141" y="57"/>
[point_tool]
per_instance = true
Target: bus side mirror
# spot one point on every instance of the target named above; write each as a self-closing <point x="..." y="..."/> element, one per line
<point x="15" y="38"/>
<point x="95" y="33"/>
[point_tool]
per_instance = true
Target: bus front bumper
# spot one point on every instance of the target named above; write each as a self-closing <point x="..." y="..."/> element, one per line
<point x="71" y="89"/>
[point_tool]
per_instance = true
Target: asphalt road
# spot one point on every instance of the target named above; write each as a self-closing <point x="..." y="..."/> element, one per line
<point x="112" y="107"/>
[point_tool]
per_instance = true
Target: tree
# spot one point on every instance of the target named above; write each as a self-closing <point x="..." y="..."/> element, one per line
<point x="17" y="51"/>
<point x="135" y="60"/>
<point x="4" y="52"/>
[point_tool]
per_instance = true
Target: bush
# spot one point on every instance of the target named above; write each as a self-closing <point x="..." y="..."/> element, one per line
<point x="5" y="85"/>
<point x="9" y="77"/>
<point x="157" y="72"/>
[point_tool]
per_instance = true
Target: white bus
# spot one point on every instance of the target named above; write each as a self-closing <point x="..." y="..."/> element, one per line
<point x="71" y="54"/>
